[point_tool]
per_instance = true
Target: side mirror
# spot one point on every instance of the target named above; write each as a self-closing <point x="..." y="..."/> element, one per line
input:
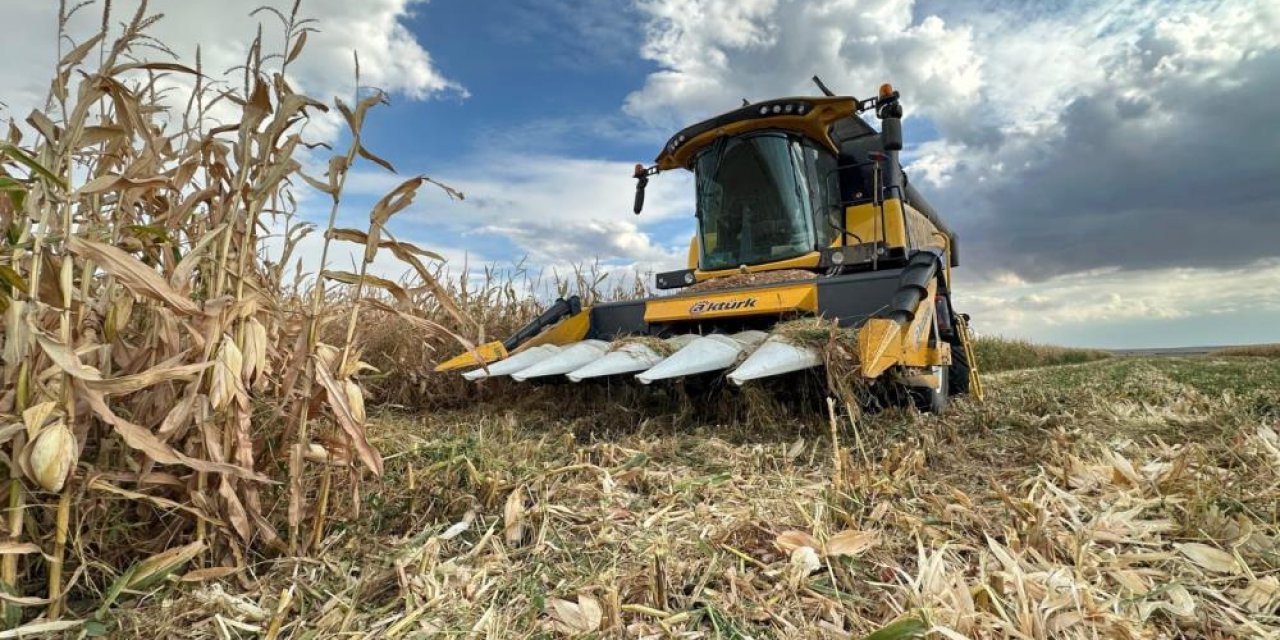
<point x="642" y="181"/>
<point x="891" y="133"/>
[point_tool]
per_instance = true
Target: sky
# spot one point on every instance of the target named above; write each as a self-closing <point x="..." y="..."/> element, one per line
<point x="1110" y="166"/>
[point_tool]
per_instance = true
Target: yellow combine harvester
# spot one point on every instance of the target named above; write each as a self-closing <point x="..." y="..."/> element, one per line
<point x="803" y="209"/>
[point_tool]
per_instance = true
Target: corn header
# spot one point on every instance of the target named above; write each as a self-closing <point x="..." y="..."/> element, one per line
<point x="802" y="210"/>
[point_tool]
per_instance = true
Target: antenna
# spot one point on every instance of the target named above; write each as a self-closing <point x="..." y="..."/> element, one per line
<point x="822" y="87"/>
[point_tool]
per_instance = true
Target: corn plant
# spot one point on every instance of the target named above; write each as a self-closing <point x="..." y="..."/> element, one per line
<point x="161" y="375"/>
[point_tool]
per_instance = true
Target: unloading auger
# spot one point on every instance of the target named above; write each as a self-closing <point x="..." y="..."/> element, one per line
<point x="803" y="210"/>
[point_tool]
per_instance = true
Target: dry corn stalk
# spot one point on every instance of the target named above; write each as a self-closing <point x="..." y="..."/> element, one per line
<point x="141" y="324"/>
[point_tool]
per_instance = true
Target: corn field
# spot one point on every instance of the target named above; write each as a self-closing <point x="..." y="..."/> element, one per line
<point x="174" y="395"/>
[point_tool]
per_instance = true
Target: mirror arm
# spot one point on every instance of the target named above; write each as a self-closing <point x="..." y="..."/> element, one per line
<point x="642" y="180"/>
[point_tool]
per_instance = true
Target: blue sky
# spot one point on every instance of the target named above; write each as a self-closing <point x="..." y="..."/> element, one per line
<point x="1109" y="164"/>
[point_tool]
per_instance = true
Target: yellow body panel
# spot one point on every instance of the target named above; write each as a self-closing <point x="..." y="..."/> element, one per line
<point x="485" y="353"/>
<point x="764" y="301"/>
<point x="571" y="329"/>
<point x="883" y="343"/>
<point x="813" y="124"/>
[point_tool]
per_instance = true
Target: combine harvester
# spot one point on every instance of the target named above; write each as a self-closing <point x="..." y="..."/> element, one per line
<point x="803" y="210"/>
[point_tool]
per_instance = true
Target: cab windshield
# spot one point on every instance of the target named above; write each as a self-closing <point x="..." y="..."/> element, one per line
<point x="756" y="200"/>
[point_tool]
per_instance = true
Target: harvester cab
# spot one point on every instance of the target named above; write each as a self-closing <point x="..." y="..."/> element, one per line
<point x="802" y="210"/>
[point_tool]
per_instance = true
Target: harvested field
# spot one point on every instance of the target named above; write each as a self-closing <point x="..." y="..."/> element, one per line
<point x="1122" y="498"/>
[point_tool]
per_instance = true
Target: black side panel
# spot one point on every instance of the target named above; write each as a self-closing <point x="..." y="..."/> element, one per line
<point x="614" y="319"/>
<point x="855" y="298"/>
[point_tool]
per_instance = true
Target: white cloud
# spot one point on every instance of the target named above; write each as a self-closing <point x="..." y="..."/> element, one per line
<point x="558" y="211"/>
<point x="713" y="53"/>
<point x="390" y="57"/>
<point x="1107" y="163"/>
<point x="1094" y="300"/>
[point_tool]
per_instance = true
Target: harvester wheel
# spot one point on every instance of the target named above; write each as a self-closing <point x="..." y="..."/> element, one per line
<point x="933" y="399"/>
<point x="958" y="372"/>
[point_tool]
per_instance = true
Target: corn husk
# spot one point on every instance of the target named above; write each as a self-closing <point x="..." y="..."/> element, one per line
<point x="50" y="456"/>
<point x="254" y="357"/>
<point x="226" y="374"/>
<point x="355" y="400"/>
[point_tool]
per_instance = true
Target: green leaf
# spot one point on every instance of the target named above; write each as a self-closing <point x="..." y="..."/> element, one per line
<point x="13" y="279"/>
<point x="157" y="233"/>
<point x="114" y="592"/>
<point x="17" y="193"/>
<point x="96" y="628"/>
<point x="904" y="629"/>
<point x="31" y="163"/>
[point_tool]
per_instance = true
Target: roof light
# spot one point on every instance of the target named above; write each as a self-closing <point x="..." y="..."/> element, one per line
<point x="764" y="110"/>
<point x="777" y="108"/>
<point x="789" y="108"/>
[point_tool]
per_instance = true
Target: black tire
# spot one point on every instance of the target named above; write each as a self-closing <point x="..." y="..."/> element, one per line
<point x="929" y="399"/>
<point x="958" y="372"/>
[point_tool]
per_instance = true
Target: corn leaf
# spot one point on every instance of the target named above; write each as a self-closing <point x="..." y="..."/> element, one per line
<point x="31" y="163"/>
<point x="146" y="442"/>
<point x="132" y="274"/>
<point x="342" y="411"/>
<point x="353" y="279"/>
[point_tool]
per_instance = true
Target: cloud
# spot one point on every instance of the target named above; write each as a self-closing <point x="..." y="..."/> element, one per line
<point x="557" y="211"/>
<point x="1128" y="308"/>
<point x="1163" y="154"/>
<point x="390" y="57"/>
<point x="1070" y="137"/>
<point x="713" y="53"/>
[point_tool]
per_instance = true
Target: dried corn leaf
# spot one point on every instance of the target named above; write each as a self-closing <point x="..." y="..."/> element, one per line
<point x="362" y="238"/>
<point x="210" y="573"/>
<point x="132" y="274"/>
<point x="1211" y="558"/>
<point x="353" y="279"/>
<point x="342" y="411"/>
<point x="576" y="618"/>
<point x="851" y="543"/>
<point x="394" y="202"/>
<point x="146" y="442"/>
<point x="100" y="484"/>
<point x="789" y="541"/>
<point x="37" y="415"/>
<point x="1260" y="595"/>
<point x="9" y="547"/>
<point x="155" y="568"/>
<point x="513" y="515"/>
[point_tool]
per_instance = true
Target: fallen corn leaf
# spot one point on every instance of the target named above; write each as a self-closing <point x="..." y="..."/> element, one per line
<point x="851" y="543"/>
<point x="1211" y="558"/>
<point x="1260" y="595"/>
<point x="789" y="541"/>
<point x="513" y="517"/>
<point x="576" y="618"/>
